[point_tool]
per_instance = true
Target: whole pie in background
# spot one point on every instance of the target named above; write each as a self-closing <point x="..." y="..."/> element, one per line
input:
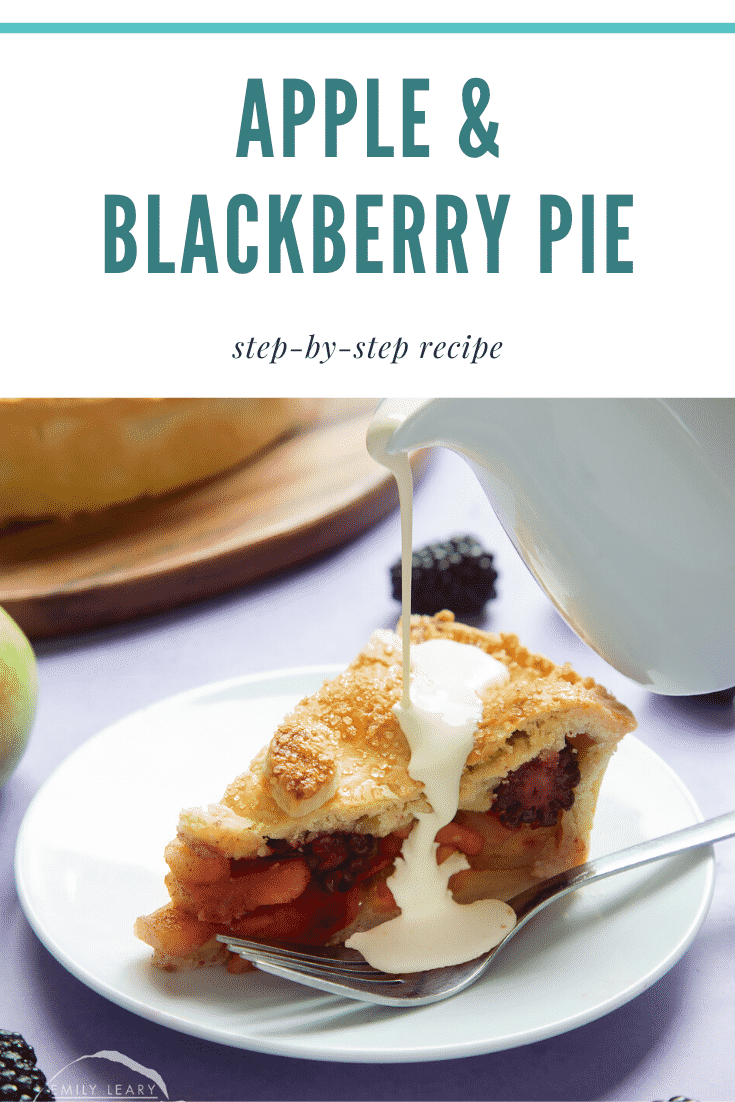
<point x="61" y="457"/>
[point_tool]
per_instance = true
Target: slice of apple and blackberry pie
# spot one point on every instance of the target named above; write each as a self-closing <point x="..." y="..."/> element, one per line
<point x="302" y="844"/>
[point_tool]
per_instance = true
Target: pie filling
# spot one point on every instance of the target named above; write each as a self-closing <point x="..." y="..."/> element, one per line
<point x="313" y="891"/>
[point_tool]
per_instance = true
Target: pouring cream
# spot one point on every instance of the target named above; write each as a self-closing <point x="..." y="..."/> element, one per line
<point x="599" y="525"/>
<point x="439" y="711"/>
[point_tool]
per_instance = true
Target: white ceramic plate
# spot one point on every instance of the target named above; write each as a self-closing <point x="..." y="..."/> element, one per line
<point x="89" y="860"/>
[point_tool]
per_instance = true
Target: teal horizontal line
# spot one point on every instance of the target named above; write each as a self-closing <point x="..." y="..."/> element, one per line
<point x="367" y="28"/>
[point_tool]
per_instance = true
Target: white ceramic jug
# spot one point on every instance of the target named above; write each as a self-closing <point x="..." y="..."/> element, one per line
<point x="622" y="509"/>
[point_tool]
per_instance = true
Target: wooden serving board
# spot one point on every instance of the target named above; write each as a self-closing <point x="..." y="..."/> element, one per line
<point x="304" y="495"/>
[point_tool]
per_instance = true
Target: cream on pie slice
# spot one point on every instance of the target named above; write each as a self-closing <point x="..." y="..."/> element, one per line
<point x="302" y="844"/>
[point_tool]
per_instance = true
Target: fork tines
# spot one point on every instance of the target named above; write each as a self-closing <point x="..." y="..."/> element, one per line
<point x="316" y="963"/>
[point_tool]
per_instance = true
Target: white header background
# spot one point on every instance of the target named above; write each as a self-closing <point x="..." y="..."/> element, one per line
<point x="647" y="115"/>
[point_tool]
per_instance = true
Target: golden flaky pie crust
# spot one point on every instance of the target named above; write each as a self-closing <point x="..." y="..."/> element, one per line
<point x="339" y="762"/>
<point x="64" y="456"/>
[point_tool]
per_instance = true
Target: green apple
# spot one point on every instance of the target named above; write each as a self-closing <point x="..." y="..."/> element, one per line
<point x="18" y="688"/>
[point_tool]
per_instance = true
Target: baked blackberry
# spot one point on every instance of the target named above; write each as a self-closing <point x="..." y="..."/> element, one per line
<point x="334" y="859"/>
<point x="536" y="793"/>
<point x="457" y="574"/>
<point x="20" y="1079"/>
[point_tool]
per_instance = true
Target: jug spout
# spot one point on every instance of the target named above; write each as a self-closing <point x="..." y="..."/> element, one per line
<point x="622" y="509"/>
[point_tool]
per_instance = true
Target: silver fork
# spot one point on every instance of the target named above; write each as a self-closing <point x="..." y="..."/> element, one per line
<point x="343" y="971"/>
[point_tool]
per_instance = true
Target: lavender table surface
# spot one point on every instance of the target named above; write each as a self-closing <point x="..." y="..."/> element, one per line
<point x="674" y="1039"/>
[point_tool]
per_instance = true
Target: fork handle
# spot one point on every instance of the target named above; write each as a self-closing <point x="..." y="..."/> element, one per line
<point x="692" y="837"/>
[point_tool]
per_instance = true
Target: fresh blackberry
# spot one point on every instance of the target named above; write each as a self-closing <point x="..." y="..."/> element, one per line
<point x="457" y="574"/>
<point x="20" y="1079"/>
<point x="722" y="697"/>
